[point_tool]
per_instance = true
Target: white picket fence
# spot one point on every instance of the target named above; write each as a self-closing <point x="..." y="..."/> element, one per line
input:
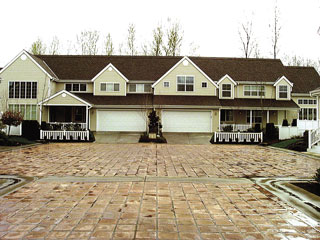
<point x="314" y="137"/>
<point x="64" y="135"/>
<point x="234" y="136"/>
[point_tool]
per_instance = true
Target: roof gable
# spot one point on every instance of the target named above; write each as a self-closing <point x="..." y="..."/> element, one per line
<point x="182" y="61"/>
<point x="64" y="94"/>
<point x="109" y="67"/>
<point x="285" y="79"/>
<point x="32" y="58"/>
<point x="228" y="77"/>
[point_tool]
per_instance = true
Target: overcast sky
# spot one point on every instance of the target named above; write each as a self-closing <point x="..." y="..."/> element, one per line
<point x="212" y="25"/>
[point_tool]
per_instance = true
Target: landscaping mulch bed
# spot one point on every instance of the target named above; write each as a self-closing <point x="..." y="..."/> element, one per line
<point x="311" y="187"/>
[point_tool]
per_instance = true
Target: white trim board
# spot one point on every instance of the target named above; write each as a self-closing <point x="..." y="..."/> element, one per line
<point x="230" y="78"/>
<point x="283" y="78"/>
<point x="178" y="63"/>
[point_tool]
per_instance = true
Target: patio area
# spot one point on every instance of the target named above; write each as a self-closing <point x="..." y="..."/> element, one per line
<point x="151" y="191"/>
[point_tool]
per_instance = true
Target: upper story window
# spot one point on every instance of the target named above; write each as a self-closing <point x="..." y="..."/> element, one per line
<point x="226" y="90"/>
<point x="166" y="84"/>
<point x="110" y="87"/>
<point x="140" y="88"/>
<point x="307" y="101"/>
<point x="185" y="83"/>
<point x="23" y="89"/>
<point x="254" y="90"/>
<point x="204" y="84"/>
<point x="76" y="87"/>
<point x="283" y="91"/>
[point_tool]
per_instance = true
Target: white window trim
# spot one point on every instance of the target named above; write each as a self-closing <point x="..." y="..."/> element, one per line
<point x="144" y="84"/>
<point x="244" y="86"/>
<point x="221" y="91"/>
<point x="194" y="82"/>
<point x="302" y="99"/>
<point x="168" y="84"/>
<point x="205" y="83"/>
<point x="278" y="92"/>
<point x="20" y="89"/>
<point x="25" y="108"/>
<point x="65" y="87"/>
<point x="107" y="88"/>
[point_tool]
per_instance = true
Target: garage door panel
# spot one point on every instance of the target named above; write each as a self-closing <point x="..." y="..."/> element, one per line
<point x="121" y="121"/>
<point x="186" y="121"/>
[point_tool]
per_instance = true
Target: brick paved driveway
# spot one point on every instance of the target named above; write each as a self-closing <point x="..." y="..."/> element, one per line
<point x="221" y="208"/>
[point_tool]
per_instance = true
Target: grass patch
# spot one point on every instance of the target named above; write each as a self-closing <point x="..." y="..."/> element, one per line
<point x="285" y="143"/>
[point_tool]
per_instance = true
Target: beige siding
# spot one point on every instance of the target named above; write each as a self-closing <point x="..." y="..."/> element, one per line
<point x="93" y="119"/>
<point x="111" y="77"/>
<point x="226" y="80"/>
<point x="295" y="99"/>
<point x="185" y="70"/>
<point x="60" y="100"/>
<point x="270" y="92"/>
<point x="25" y="70"/>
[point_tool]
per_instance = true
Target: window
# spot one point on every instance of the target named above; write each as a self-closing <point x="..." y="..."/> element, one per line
<point x="76" y="87"/>
<point x="283" y="91"/>
<point x="23" y="89"/>
<point x="204" y="84"/>
<point x="256" y="116"/>
<point x="226" y="115"/>
<point x="79" y="114"/>
<point x="166" y="84"/>
<point x="28" y="111"/>
<point x="308" y="114"/>
<point x="226" y="90"/>
<point x="140" y="88"/>
<point x="307" y="101"/>
<point x="185" y="83"/>
<point x="253" y="90"/>
<point x="110" y="87"/>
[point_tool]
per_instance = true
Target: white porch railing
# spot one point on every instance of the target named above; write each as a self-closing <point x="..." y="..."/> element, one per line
<point x="236" y="127"/>
<point x="64" y="124"/>
<point x="237" y="137"/>
<point x="314" y="137"/>
<point x="64" y="135"/>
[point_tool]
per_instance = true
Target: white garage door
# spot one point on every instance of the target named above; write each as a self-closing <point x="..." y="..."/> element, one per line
<point x="186" y="121"/>
<point x="121" y="121"/>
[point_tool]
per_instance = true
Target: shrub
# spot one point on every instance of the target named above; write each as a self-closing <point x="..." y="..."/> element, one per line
<point x="271" y="132"/>
<point x="91" y="136"/>
<point x="317" y="176"/>
<point x="11" y="119"/>
<point x="285" y="123"/>
<point x="44" y="126"/>
<point x="294" y="122"/>
<point x="306" y="137"/>
<point x="144" y="138"/>
<point x="227" y="128"/>
<point x="154" y="122"/>
<point x="257" y="128"/>
<point x="31" y="129"/>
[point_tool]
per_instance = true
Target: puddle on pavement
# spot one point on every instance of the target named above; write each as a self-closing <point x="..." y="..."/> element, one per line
<point x="11" y="183"/>
<point x="306" y="202"/>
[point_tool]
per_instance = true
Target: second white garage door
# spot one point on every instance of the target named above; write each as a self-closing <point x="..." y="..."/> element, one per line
<point x="121" y="121"/>
<point x="186" y="121"/>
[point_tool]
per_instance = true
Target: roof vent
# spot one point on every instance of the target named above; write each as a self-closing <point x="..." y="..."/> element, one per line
<point x="23" y="57"/>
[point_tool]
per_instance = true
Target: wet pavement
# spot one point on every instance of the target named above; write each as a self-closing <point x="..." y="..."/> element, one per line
<point x="149" y="191"/>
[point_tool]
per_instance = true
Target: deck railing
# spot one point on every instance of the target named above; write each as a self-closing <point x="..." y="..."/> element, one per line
<point x="237" y="137"/>
<point x="64" y="135"/>
<point x="314" y="137"/>
<point x="236" y="127"/>
<point x="65" y="125"/>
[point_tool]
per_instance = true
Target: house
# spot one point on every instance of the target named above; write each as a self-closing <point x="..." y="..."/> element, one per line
<point x="190" y="94"/>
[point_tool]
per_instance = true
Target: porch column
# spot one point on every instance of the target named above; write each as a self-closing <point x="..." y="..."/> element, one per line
<point x="219" y="118"/>
<point x="40" y="116"/>
<point x="87" y="116"/>
<point x="317" y="112"/>
<point x="251" y="118"/>
<point x="267" y="116"/>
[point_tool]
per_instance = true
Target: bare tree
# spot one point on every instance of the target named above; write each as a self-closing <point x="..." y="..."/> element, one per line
<point x="256" y="53"/>
<point x="145" y="49"/>
<point x="38" y="47"/>
<point x="303" y="62"/>
<point x="71" y="48"/>
<point x="275" y="30"/>
<point x="54" y="46"/>
<point x="193" y="49"/>
<point x="87" y="42"/>
<point x="174" y="37"/>
<point x="109" y="48"/>
<point x="246" y="38"/>
<point x="157" y="41"/>
<point x="131" y="40"/>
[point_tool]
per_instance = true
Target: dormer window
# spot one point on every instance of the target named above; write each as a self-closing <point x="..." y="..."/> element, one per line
<point x="226" y="90"/>
<point x="283" y="91"/>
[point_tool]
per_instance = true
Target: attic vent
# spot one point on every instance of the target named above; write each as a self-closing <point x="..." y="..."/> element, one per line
<point x="110" y="69"/>
<point x="185" y="63"/>
<point x="23" y="57"/>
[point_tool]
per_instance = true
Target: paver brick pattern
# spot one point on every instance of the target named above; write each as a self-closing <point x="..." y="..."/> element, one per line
<point x="149" y="210"/>
<point x="67" y="159"/>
